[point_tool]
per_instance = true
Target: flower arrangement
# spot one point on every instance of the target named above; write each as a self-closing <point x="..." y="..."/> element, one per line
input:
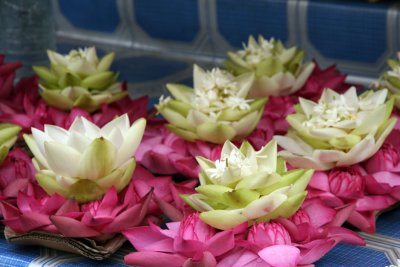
<point x="335" y="136"/>
<point x="79" y="79"/>
<point x="235" y="202"/>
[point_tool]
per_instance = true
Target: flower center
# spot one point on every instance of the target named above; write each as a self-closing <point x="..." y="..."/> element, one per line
<point x="234" y="165"/>
<point x="329" y="114"/>
<point x="217" y="91"/>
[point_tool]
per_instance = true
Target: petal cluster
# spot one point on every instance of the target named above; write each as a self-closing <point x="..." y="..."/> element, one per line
<point x="245" y="185"/>
<point x="296" y="241"/>
<point x="79" y="79"/>
<point x="113" y="213"/>
<point x="215" y="110"/>
<point x="278" y="70"/>
<point x="85" y="161"/>
<point x="338" y="130"/>
<point x="190" y="242"/>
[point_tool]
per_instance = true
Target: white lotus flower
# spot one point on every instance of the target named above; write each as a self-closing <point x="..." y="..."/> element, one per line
<point x="339" y="130"/>
<point x="278" y="71"/>
<point x="85" y="161"/>
<point x="82" y="61"/>
<point x="215" y="110"/>
<point x="79" y="79"/>
<point x="245" y="185"/>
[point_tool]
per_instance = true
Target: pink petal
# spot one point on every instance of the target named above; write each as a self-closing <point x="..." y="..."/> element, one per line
<point x="319" y="181"/>
<point x="365" y="221"/>
<point x="280" y="255"/>
<point x="146" y="238"/>
<point x="316" y="249"/>
<point x="72" y="228"/>
<point x="33" y="220"/>
<point x="221" y="243"/>
<point x="346" y="236"/>
<point x="374" y="203"/>
<point x="154" y="259"/>
<point x="207" y="260"/>
<point x="319" y="213"/>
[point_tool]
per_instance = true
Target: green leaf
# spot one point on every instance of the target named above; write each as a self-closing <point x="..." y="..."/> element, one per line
<point x="45" y="74"/>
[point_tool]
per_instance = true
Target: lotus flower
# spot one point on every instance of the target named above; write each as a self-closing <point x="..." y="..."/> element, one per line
<point x="384" y="168"/>
<point x="165" y="198"/>
<point x="278" y="71"/>
<point x="109" y="215"/>
<point x="391" y="80"/>
<point x="85" y="161"/>
<point x="246" y="186"/>
<point x="216" y="109"/>
<point x="339" y="130"/>
<point x="189" y="243"/>
<point x="79" y="79"/>
<point x="16" y="173"/>
<point x="343" y="186"/>
<point x="8" y="136"/>
<point x="300" y="240"/>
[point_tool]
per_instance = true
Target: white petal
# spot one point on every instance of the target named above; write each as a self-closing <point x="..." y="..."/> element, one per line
<point x="40" y="137"/>
<point x="116" y="137"/>
<point x="78" y="141"/>
<point x="351" y="97"/>
<point x="56" y="133"/>
<point x="65" y="181"/>
<point x="294" y="144"/>
<point x="196" y="117"/>
<point x="267" y="157"/>
<point x="132" y="140"/>
<point x="305" y="161"/>
<point x="227" y="148"/>
<point x="326" y="133"/>
<point x="359" y="152"/>
<point x="91" y="129"/>
<point x="62" y="159"/>
<point x="329" y="156"/>
<point x="245" y="81"/>
<point x="246" y="124"/>
<point x="307" y="106"/>
<point x="122" y="123"/>
<point x="303" y="77"/>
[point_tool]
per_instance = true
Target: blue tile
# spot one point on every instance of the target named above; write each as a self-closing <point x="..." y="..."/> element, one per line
<point x="142" y="69"/>
<point x="388" y="224"/>
<point x="354" y="32"/>
<point x="91" y="15"/>
<point x="236" y="20"/>
<point x="344" y="255"/>
<point x="175" y="20"/>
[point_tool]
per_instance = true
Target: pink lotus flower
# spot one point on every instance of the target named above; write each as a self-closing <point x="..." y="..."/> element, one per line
<point x="16" y="174"/>
<point x="321" y="79"/>
<point x="384" y="168"/>
<point x="188" y="243"/>
<point x="344" y="186"/>
<point x="300" y="240"/>
<point x="162" y="152"/>
<point x="165" y="198"/>
<point x="36" y="211"/>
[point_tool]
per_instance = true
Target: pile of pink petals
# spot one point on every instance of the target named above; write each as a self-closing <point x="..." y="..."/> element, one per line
<point x="37" y="211"/>
<point x="300" y="240"/>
